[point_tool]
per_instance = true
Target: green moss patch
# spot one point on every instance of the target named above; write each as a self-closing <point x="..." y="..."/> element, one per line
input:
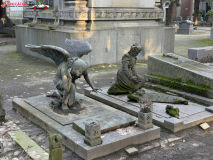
<point x="116" y="89"/>
<point x="188" y="86"/>
<point x="174" y="112"/>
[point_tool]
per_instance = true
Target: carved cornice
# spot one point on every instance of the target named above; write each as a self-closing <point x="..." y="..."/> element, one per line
<point x="104" y="14"/>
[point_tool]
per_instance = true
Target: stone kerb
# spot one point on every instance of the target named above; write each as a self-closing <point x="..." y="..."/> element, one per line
<point x="203" y="55"/>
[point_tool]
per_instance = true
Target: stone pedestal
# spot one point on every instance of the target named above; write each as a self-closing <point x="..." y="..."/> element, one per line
<point x="93" y="134"/>
<point x="186" y="27"/>
<point x="145" y="120"/>
<point x="109" y="26"/>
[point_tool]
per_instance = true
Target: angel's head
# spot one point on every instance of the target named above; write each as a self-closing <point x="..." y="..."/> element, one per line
<point x="79" y="68"/>
<point x="135" y="50"/>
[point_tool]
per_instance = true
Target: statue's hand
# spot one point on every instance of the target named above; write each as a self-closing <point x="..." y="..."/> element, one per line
<point x="96" y="89"/>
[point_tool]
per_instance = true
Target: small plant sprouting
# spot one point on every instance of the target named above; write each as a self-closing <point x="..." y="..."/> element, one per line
<point x="40" y="2"/>
<point x="146" y="105"/>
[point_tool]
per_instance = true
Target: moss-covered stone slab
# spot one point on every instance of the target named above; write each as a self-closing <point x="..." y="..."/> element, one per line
<point x="108" y="122"/>
<point x="141" y="95"/>
<point x="189" y="115"/>
<point x="188" y="86"/>
<point x="28" y="145"/>
<point x="181" y="69"/>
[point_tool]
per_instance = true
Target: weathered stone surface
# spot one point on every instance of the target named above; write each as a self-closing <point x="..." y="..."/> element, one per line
<point x="142" y="95"/>
<point x="195" y="98"/>
<point x="145" y="120"/>
<point x="35" y="151"/>
<point x="112" y="141"/>
<point x="131" y="151"/>
<point x="106" y="38"/>
<point x="92" y="134"/>
<point x="203" y="54"/>
<point x="189" y="86"/>
<point x="87" y="110"/>
<point x="173" y="124"/>
<point x="55" y="146"/>
<point x="181" y="69"/>
<point x="189" y="116"/>
<point x="108" y="121"/>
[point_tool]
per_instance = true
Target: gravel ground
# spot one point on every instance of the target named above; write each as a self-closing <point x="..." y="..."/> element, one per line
<point x="24" y="76"/>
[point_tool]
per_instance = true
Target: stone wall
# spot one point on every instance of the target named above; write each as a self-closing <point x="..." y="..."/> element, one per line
<point x="109" y="44"/>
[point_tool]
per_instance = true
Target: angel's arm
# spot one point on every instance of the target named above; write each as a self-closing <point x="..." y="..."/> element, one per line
<point x="67" y="80"/>
<point x="87" y="79"/>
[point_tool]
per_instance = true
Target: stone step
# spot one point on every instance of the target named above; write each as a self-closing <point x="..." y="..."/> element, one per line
<point x="180" y="69"/>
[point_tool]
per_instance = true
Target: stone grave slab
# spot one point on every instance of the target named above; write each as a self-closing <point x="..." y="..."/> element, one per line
<point x="42" y="103"/>
<point x="178" y="67"/>
<point x="202" y="54"/>
<point x="190" y="115"/>
<point x="112" y="141"/>
<point x="165" y="70"/>
<point x="107" y="121"/>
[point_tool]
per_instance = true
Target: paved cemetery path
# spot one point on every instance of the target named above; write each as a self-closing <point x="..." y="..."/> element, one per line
<point x="25" y="76"/>
<point x="200" y="38"/>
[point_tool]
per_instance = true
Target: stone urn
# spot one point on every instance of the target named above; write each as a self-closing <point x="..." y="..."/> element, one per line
<point x="145" y="120"/>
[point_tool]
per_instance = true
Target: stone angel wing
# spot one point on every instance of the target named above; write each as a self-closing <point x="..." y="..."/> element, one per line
<point x="77" y="48"/>
<point x="57" y="54"/>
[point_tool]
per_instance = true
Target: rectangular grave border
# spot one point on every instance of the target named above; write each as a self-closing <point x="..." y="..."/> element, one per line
<point x="172" y="123"/>
<point x="75" y="140"/>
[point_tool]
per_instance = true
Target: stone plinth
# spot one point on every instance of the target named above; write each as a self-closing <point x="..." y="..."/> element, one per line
<point x="186" y="27"/>
<point x="108" y="122"/>
<point x="203" y="54"/>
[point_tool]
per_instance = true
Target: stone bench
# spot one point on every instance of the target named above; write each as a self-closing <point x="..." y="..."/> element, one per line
<point x="203" y="55"/>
